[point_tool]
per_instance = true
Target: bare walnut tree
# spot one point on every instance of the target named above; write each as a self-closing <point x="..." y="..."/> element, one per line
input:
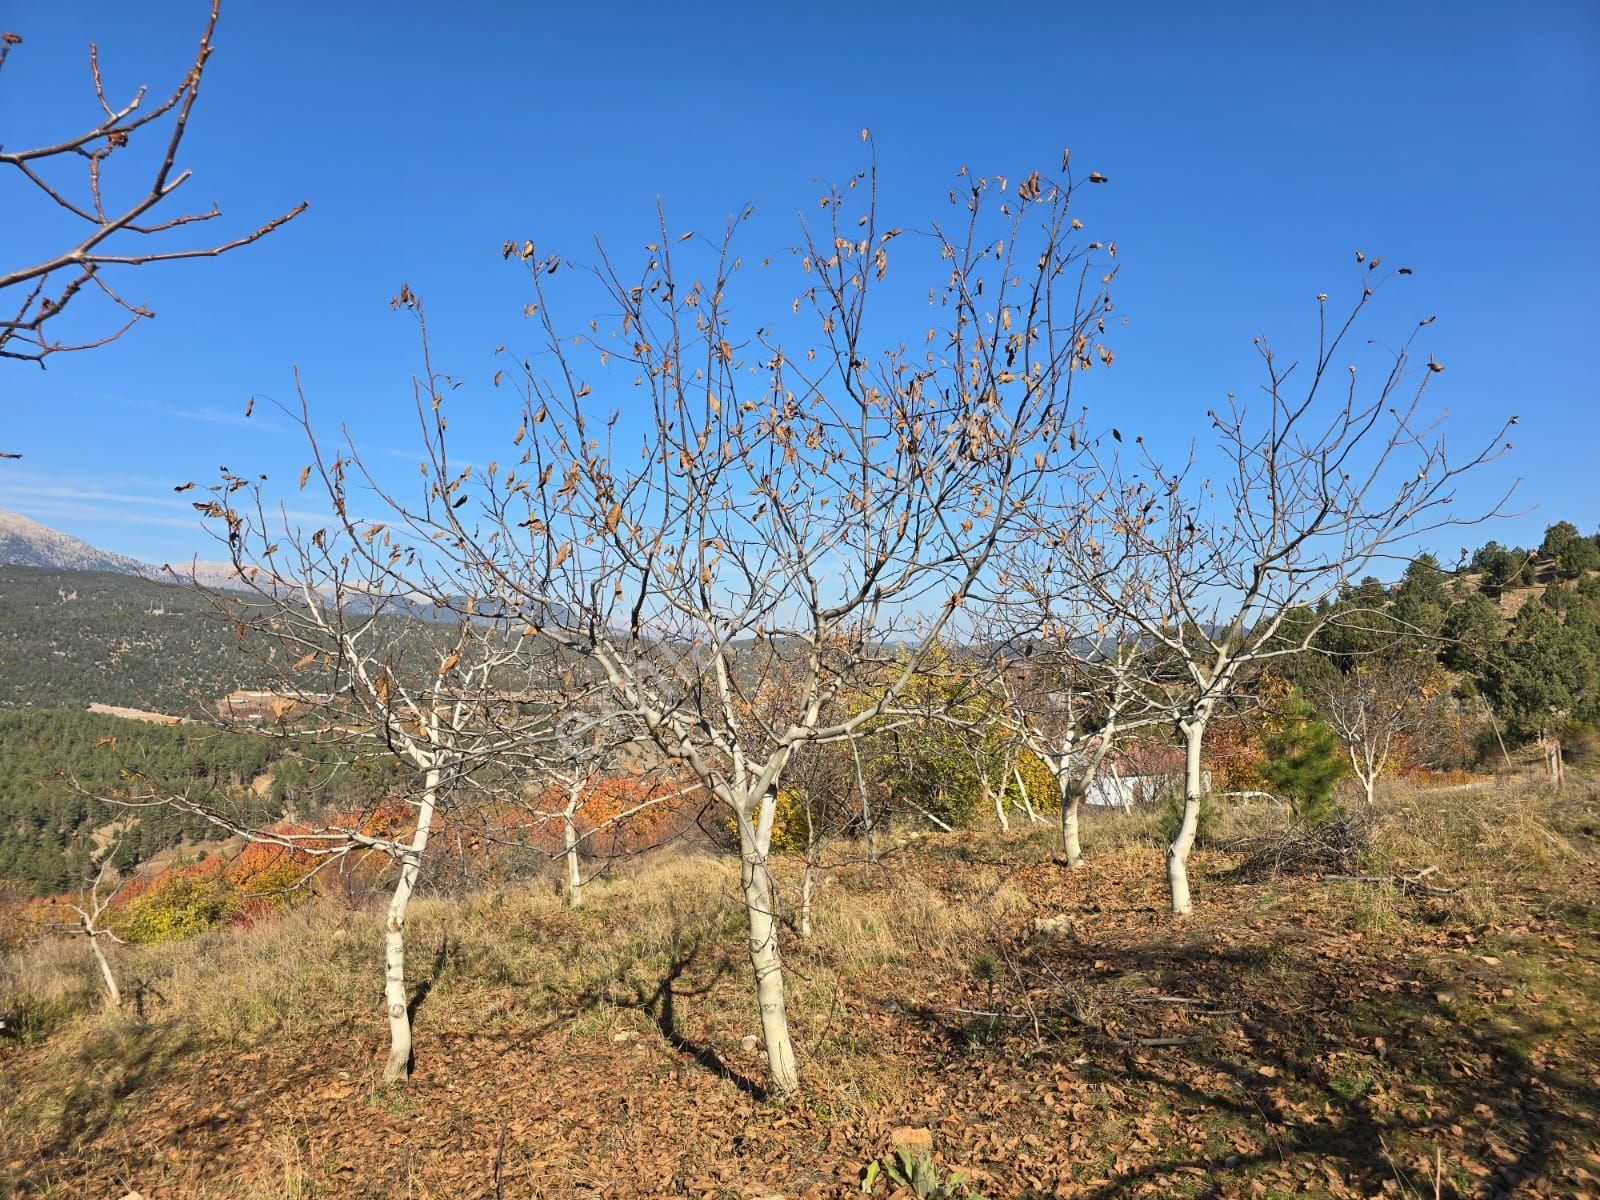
<point x="93" y="922"/>
<point x="1324" y="477"/>
<point x="1071" y="691"/>
<point x="803" y="498"/>
<point x="373" y="650"/>
<point x="1374" y="706"/>
<point x="105" y="222"/>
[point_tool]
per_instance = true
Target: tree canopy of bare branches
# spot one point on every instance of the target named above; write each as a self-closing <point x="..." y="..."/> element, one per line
<point x="1325" y="476"/>
<point x="107" y="223"/>
<point x="770" y="522"/>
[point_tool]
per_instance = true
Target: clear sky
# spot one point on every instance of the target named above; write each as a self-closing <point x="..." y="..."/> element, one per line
<point x="1251" y="149"/>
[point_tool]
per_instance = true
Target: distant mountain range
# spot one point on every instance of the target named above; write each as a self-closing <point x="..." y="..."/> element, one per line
<point x="26" y="543"/>
<point x="73" y="638"/>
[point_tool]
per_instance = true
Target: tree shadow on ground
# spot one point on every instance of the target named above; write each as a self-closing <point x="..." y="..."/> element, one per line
<point x="422" y="991"/>
<point x="424" y="988"/>
<point x="112" y="1065"/>
<point x="659" y="998"/>
<point x="1355" y="1062"/>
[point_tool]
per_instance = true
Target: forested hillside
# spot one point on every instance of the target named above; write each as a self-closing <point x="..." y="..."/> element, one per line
<point x="73" y="638"/>
<point x="54" y="762"/>
<point x="49" y="759"/>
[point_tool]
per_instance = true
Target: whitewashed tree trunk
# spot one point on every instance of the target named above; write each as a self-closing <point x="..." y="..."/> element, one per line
<point x="569" y="839"/>
<point x="1194" y="732"/>
<point x="761" y="910"/>
<point x="394" y="944"/>
<point x="1554" y="764"/>
<point x="1000" y="808"/>
<point x="1369" y="785"/>
<point x="104" y="963"/>
<point x="1027" y="801"/>
<point x="1071" y="847"/>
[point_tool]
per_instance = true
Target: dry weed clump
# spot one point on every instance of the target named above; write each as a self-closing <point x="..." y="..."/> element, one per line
<point x="1336" y="847"/>
<point x="1507" y="828"/>
<point x="45" y="984"/>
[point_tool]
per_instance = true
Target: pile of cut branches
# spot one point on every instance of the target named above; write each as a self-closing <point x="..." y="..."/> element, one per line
<point x="1336" y="847"/>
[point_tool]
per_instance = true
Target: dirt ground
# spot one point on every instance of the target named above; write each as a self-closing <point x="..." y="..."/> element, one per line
<point x="1299" y="1036"/>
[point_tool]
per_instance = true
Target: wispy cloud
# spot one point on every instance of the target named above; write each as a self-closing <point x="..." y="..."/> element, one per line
<point x="38" y="492"/>
<point x="215" y="416"/>
<point x="46" y="511"/>
<point x="87" y="504"/>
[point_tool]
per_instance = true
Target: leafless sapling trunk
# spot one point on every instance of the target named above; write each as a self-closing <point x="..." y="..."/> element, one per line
<point x="1307" y="489"/>
<point x="1372" y="706"/>
<point x="93" y="924"/>
<point x="373" y="650"/>
<point x="1072" y="692"/>
<point x="1071" y="684"/>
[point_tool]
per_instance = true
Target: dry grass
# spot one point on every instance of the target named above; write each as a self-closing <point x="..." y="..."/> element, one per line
<point x="1514" y="829"/>
<point x="317" y="965"/>
<point x="45" y="985"/>
<point x="518" y="958"/>
<point x="658" y="955"/>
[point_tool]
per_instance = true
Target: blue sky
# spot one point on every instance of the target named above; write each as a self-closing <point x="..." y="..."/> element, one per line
<point x="1251" y="150"/>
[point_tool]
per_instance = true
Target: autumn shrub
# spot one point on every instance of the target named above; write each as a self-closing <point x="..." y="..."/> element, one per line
<point x="268" y="881"/>
<point x="263" y="881"/>
<point x="178" y="903"/>
<point x="19" y="921"/>
<point x="790" y="830"/>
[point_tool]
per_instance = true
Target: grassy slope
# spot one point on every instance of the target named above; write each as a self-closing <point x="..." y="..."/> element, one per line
<point x="1350" y="1039"/>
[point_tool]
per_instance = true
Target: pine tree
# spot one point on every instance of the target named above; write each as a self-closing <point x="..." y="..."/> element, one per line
<point x="1304" y="761"/>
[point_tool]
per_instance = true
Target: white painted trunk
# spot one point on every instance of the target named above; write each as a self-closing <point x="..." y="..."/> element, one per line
<point x="395" y="999"/>
<point x="1369" y="785"/>
<point x="866" y="807"/>
<point x="761" y="911"/>
<point x="1070" y="799"/>
<point x="1027" y="800"/>
<point x="1193" y="789"/>
<point x="569" y="835"/>
<point x="1555" y="767"/>
<point x="106" y="974"/>
<point x="1000" y="809"/>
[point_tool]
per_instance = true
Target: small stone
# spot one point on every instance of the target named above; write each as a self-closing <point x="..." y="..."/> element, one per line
<point x="912" y="1139"/>
<point x="1054" y="926"/>
<point x="627" y="1035"/>
<point x="749" y="1042"/>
